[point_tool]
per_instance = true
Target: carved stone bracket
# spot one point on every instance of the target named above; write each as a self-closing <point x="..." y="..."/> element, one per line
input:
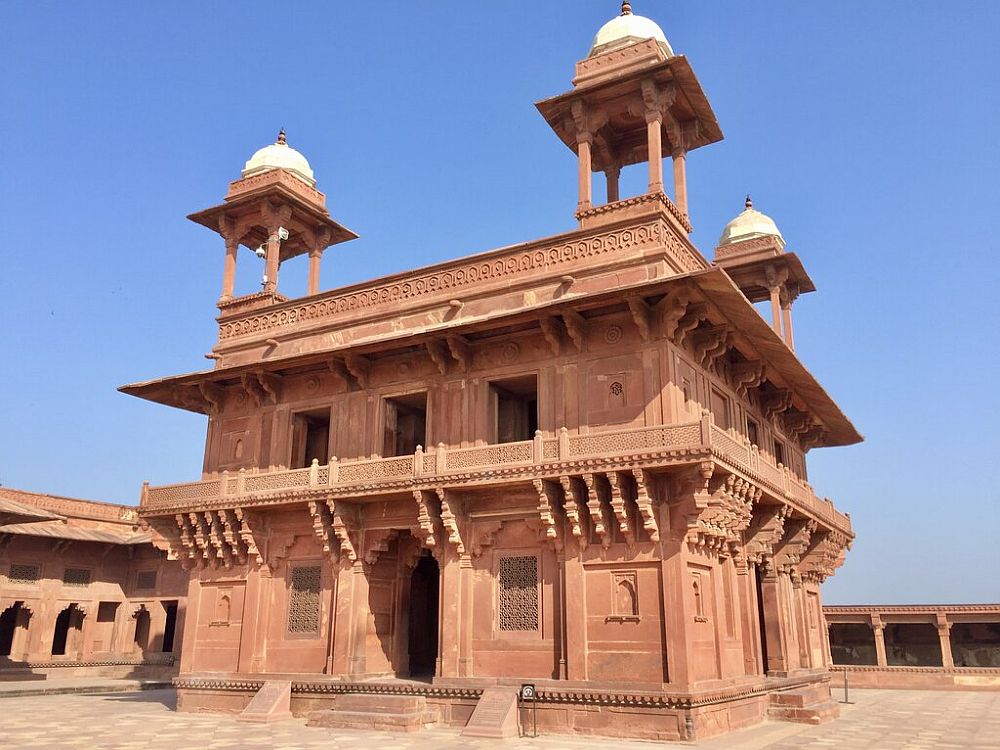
<point x="439" y="353"/>
<point x="345" y="527"/>
<point x="794" y="543"/>
<point x="694" y="313"/>
<point x="576" y="326"/>
<point x="746" y="375"/>
<point x="376" y="542"/>
<point x="644" y="501"/>
<point x="213" y="395"/>
<point x="428" y="517"/>
<point x="552" y="331"/>
<point x="571" y="507"/>
<point x="360" y="367"/>
<point x="548" y="512"/>
<point x="452" y="518"/>
<point x="595" y="510"/>
<point x="775" y="402"/>
<point x="619" y="508"/>
<point x="826" y="553"/>
<point x="709" y="343"/>
<point x="323" y="528"/>
<point x="460" y="351"/>
<point x="642" y="316"/>
<point x="672" y="309"/>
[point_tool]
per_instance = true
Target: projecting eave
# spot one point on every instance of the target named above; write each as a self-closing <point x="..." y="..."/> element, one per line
<point x="758" y="341"/>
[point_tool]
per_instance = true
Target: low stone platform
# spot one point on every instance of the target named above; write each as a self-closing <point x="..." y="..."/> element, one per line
<point x="80" y="685"/>
<point x="395" y="713"/>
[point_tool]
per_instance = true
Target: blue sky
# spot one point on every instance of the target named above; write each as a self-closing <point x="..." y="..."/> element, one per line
<point x="865" y="129"/>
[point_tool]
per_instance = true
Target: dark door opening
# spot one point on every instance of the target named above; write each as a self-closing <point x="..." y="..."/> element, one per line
<point x="61" y="634"/>
<point x="761" y="622"/>
<point x="142" y="629"/>
<point x="8" y="622"/>
<point x="514" y="403"/>
<point x="405" y="424"/>
<point x="310" y="439"/>
<point x="169" y="626"/>
<point x="423" y="636"/>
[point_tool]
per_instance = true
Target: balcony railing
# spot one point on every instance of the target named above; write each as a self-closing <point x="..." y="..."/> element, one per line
<point x="542" y="452"/>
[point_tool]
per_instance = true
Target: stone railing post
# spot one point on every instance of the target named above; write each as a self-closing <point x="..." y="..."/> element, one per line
<point x="563" y="444"/>
<point x="224" y="486"/>
<point x="241" y="482"/>
<point x="334" y="471"/>
<point x="537" y="447"/>
<point x="314" y="472"/>
<point x="418" y="461"/>
<point x="706" y="427"/>
<point x="440" y="465"/>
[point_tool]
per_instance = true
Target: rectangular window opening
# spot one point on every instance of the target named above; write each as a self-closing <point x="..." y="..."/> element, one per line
<point x="76" y="577"/>
<point x="753" y="432"/>
<point x="514" y="404"/>
<point x="106" y="611"/>
<point x="720" y="409"/>
<point x="310" y="438"/>
<point x="405" y="424"/>
<point x="779" y="452"/>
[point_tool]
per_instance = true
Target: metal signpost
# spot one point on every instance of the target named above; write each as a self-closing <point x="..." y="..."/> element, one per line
<point x="528" y="693"/>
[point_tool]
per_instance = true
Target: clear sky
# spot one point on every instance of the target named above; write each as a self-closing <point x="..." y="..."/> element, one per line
<point x="867" y="130"/>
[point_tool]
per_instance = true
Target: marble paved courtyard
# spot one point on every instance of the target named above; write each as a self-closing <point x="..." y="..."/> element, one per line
<point x="882" y="719"/>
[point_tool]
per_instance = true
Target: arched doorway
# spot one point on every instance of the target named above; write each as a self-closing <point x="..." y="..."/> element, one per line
<point x="68" y="624"/>
<point x="8" y="627"/>
<point x="423" y="635"/>
<point x="142" y="629"/>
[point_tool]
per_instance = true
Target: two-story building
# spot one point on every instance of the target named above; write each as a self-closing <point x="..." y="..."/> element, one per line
<point x="579" y="461"/>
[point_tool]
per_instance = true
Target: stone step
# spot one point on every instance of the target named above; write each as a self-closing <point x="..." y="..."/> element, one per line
<point x="811" y="704"/>
<point x="394" y="713"/>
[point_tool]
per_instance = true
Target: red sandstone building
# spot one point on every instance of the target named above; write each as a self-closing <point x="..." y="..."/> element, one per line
<point x="578" y="462"/>
<point x="83" y="591"/>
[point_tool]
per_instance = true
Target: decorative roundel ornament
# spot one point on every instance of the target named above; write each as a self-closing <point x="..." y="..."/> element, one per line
<point x="613" y="334"/>
<point x="527" y="692"/>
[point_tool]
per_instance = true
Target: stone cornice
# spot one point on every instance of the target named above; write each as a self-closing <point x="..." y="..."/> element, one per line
<point x="911" y="609"/>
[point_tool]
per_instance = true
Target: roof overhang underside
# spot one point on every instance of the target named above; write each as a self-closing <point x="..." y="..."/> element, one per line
<point x="714" y="284"/>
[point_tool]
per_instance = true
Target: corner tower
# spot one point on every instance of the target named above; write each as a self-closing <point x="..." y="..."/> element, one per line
<point x="275" y="210"/>
<point x="633" y="101"/>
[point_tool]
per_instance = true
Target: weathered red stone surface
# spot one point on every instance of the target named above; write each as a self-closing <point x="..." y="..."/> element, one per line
<point x="935" y="647"/>
<point x="580" y="460"/>
<point x="83" y="591"/>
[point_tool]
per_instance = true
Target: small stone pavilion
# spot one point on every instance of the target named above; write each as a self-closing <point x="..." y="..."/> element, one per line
<point x="578" y="462"/>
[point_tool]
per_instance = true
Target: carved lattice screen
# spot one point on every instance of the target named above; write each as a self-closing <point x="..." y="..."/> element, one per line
<point x="76" y="577"/>
<point x="303" y="600"/>
<point x="21" y="573"/>
<point x="518" y="584"/>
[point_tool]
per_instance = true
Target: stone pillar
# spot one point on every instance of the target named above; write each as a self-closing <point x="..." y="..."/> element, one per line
<point x="774" y="631"/>
<point x="343" y="625"/>
<point x="775" y="309"/>
<point x="253" y="634"/>
<point x="465" y="620"/>
<point x="612" y="174"/>
<point x="450" y="609"/>
<point x="944" y="635"/>
<point x="272" y="261"/>
<point x="786" y="311"/>
<point x="749" y="621"/>
<point x="359" y="619"/>
<point x="878" y="628"/>
<point x="314" y="259"/>
<point x="229" y="272"/>
<point x="654" y="127"/>
<point x="583" y="144"/>
<point x="680" y="180"/>
<point x="575" y="614"/>
<point x="678" y="609"/>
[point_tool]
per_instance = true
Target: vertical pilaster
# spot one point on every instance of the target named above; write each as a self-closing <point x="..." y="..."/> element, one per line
<point x="749" y="622"/>
<point x="450" y="609"/>
<point x="465" y="621"/>
<point x="359" y="619"/>
<point x="190" y="631"/>
<point x="575" y="613"/>
<point x="774" y="630"/>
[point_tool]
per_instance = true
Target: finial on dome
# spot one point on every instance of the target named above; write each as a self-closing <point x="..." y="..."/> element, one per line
<point x="749" y="202"/>
<point x="281" y="137"/>
<point x="626" y="8"/>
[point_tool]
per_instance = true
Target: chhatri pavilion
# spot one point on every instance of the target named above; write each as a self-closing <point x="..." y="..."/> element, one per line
<point x="577" y="462"/>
